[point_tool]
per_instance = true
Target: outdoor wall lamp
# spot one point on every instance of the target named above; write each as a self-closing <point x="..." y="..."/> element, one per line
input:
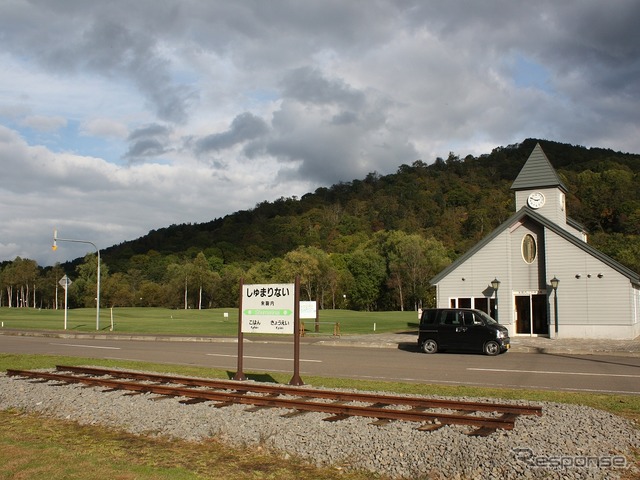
<point x="495" y="284"/>
<point x="554" y="284"/>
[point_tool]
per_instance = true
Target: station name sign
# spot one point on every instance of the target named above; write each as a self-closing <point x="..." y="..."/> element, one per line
<point x="268" y="308"/>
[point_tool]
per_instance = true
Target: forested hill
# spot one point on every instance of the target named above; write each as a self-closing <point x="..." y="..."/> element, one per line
<point x="456" y="201"/>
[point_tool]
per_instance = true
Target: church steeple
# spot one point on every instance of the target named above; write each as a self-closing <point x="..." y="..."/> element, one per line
<point x="538" y="187"/>
<point x="537" y="172"/>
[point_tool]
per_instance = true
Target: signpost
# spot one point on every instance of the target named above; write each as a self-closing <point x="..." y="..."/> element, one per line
<point x="309" y="310"/>
<point x="65" y="282"/>
<point x="270" y="308"/>
<point x="54" y="247"/>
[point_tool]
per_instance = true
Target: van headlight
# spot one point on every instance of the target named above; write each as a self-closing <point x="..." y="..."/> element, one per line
<point x="502" y="334"/>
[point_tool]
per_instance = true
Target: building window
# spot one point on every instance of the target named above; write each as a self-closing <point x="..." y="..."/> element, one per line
<point x="487" y="305"/>
<point x="529" y="248"/>
<point x="460" y="302"/>
<point x="464" y="303"/>
<point x="481" y="304"/>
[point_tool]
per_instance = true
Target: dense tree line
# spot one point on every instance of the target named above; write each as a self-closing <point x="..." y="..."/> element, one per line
<point x="390" y="270"/>
<point x="368" y="244"/>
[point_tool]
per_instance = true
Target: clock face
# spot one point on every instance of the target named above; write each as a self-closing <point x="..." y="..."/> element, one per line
<point x="536" y="200"/>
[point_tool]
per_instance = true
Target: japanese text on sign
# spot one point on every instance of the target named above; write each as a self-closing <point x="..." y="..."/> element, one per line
<point x="268" y="308"/>
<point x="268" y="291"/>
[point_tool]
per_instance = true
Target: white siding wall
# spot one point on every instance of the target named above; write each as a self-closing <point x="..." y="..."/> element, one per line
<point x="588" y="306"/>
<point x="473" y="277"/>
<point x="552" y="208"/>
<point x="636" y="311"/>
<point x="524" y="276"/>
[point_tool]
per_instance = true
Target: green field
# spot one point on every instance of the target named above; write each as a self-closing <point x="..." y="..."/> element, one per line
<point x="211" y="322"/>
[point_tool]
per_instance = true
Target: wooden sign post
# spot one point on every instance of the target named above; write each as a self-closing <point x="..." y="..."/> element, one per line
<point x="270" y="308"/>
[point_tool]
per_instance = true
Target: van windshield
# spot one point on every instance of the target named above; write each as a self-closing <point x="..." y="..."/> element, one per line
<point x="488" y="320"/>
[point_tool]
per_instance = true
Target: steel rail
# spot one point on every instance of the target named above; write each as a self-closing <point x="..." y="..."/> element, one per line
<point x="380" y="410"/>
<point x="315" y="393"/>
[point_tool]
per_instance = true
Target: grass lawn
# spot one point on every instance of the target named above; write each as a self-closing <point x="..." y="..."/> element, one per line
<point x="210" y="322"/>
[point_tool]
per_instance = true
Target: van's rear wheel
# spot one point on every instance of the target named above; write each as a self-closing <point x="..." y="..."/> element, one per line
<point x="430" y="346"/>
<point x="491" y="348"/>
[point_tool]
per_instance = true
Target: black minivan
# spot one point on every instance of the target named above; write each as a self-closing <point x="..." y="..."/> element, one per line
<point x="462" y="329"/>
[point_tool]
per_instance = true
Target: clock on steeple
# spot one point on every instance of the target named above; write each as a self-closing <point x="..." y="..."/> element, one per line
<point x="535" y="200"/>
<point x="538" y="187"/>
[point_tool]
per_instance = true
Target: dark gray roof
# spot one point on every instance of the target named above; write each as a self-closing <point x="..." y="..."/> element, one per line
<point x="537" y="172"/>
<point x="546" y="223"/>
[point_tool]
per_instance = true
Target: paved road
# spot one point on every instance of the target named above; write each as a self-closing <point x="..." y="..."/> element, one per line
<point x="552" y="371"/>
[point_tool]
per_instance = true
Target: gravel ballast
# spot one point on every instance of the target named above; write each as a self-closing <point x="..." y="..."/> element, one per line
<point x="567" y="441"/>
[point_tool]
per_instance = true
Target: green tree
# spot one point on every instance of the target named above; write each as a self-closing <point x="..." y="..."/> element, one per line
<point x="84" y="289"/>
<point x="229" y="292"/>
<point x="7" y="281"/>
<point x="303" y="262"/>
<point x="368" y="270"/>
<point x="202" y="276"/>
<point x="152" y="294"/>
<point x="116" y="290"/>
<point x="180" y="275"/>
<point x="22" y="275"/>
<point x="411" y="260"/>
<point x="51" y="287"/>
<point x="272" y="271"/>
<point x="338" y="280"/>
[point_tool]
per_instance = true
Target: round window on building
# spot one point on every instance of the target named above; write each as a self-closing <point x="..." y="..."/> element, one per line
<point x="529" y="248"/>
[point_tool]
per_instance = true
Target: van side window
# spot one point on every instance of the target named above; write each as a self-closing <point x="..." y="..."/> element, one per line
<point x="450" y="317"/>
<point x="468" y="318"/>
<point x="428" y="317"/>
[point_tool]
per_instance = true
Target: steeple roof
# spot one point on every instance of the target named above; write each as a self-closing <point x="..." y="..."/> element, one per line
<point x="537" y="172"/>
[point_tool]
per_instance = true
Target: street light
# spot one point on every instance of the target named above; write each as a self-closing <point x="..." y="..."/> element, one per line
<point x="554" y="284"/>
<point x="495" y="284"/>
<point x="55" y="247"/>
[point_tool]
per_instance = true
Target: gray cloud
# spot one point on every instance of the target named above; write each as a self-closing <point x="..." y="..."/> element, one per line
<point x="146" y="147"/>
<point x="307" y="84"/>
<point x="244" y="127"/>
<point x="149" y="141"/>
<point x="147" y="131"/>
<point x="113" y="49"/>
<point x="305" y="94"/>
<point x="96" y="42"/>
<point x="333" y="145"/>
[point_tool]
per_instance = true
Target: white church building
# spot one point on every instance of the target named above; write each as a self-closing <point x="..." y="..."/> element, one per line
<point x="537" y="275"/>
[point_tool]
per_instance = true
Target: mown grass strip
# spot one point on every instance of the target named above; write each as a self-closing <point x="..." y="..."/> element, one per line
<point x="37" y="447"/>
<point x="209" y="322"/>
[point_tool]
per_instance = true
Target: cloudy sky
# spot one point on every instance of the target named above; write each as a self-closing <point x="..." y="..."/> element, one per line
<point x="118" y="117"/>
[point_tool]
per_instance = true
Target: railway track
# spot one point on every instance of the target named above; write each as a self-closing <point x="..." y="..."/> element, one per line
<point x="431" y="414"/>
